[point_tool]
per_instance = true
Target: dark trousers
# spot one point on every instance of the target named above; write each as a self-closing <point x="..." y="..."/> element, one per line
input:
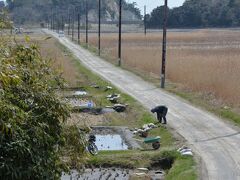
<point x="161" y="118"/>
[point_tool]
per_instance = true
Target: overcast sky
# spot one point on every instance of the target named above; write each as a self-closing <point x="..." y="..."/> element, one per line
<point x="151" y="4"/>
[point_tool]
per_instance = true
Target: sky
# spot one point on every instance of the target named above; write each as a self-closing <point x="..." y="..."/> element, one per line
<point x="151" y="4"/>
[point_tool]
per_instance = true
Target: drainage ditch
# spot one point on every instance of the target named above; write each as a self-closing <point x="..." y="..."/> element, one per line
<point x="114" y="138"/>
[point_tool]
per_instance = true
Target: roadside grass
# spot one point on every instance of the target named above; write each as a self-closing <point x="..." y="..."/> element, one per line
<point x="181" y="170"/>
<point x="228" y="114"/>
<point x="206" y="102"/>
<point x="126" y="159"/>
<point x="135" y="116"/>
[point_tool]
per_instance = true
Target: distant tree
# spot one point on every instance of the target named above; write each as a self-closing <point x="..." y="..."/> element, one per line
<point x="156" y="18"/>
<point x="200" y="13"/>
<point x="41" y="10"/>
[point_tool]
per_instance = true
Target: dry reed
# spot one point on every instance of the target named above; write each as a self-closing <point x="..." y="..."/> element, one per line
<point x="202" y="60"/>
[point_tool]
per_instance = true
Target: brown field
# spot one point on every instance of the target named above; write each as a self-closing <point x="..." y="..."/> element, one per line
<point x="202" y="60"/>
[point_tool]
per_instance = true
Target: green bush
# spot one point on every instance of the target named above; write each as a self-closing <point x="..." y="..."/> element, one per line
<point x="30" y="114"/>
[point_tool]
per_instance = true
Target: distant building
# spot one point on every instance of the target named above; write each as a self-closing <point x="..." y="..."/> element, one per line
<point x="2" y="4"/>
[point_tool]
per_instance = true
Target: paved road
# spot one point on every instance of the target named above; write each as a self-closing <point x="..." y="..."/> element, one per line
<point x="217" y="143"/>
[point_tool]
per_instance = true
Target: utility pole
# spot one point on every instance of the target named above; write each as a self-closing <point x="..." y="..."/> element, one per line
<point x="53" y="21"/>
<point x="58" y="23"/>
<point x="145" y="26"/>
<point x="164" y="45"/>
<point x="48" y="23"/>
<point x="73" y="19"/>
<point x="51" y="18"/>
<point x="120" y="34"/>
<point x="69" y="21"/>
<point x="58" y="20"/>
<point x="63" y="24"/>
<point x="58" y="26"/>
<point x="87" y="23"/>
<point x="78" y="28"/>
<point x="99" y="27"/>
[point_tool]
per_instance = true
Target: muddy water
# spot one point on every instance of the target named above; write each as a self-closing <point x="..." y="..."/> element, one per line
<point x="98" y="174"/>
<point x="75" y="102"/>
<point x="111" y="174"/>
<point x="110" y="142"/>
<point x="125" y="136"/>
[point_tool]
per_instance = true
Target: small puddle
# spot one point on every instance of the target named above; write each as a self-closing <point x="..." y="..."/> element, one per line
<point x="80" y="93"/>
<point x="110" y="142"/>
<point x="114" y="138"/>
<point x="75" y="102"/>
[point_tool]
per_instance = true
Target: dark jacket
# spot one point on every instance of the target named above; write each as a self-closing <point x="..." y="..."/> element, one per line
<point x="162" y="110"/>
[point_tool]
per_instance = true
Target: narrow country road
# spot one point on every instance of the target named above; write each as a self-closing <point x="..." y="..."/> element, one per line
<point x="216" y="142"/>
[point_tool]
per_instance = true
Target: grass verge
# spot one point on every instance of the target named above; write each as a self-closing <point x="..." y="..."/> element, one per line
<point x="205" y="102"/>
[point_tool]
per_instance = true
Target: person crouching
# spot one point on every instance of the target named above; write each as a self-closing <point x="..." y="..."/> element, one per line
<point x="161" y="113"/>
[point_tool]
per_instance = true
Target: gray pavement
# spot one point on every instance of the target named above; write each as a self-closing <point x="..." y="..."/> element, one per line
<point x="215" y="141"/>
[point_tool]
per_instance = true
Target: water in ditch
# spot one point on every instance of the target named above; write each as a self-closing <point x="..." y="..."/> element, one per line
<point x="110" y="142"/>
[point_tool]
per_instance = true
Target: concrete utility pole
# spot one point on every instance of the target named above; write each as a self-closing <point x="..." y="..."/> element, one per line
<point x="87" y="23"/>
<point x="73" y="19"/>
<point x="164" y="45"/>
<point x="120" y="34"/>
<point x="58" y="25"/>
<point x="63" y="23"/>
<point x="78" y="28"/>
<point x="99" y="27"/>
<point x="69" y="21"/>
<point x="51" y="27"/>
<point x="53" y="21"/>
<point x="145" y="26"/>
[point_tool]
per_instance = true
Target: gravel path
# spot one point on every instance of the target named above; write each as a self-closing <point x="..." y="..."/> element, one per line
<point x="215" y="141"/>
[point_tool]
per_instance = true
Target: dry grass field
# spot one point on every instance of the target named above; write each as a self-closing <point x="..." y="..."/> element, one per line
<point x="205" y="61"/>
<point x="59" y="59"/>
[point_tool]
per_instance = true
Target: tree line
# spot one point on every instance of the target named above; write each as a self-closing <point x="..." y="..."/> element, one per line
<point x="198" y="13"/>
<point x="35" y="11"/>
